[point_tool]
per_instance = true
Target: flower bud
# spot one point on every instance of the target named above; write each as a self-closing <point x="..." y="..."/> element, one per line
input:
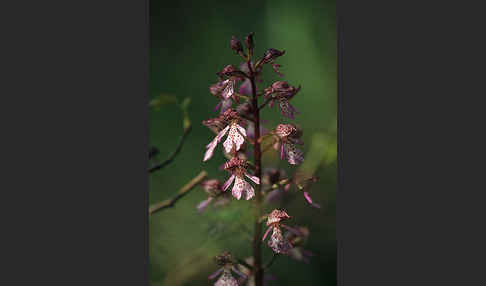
<point x="212" y="187"/>
<point x="236" y="45"/>
<point x="249" y="41"/>
<point x="272" y="54"/>
<point x="227" y="71"/>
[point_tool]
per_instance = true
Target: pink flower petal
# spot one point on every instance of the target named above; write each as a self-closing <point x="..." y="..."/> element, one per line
<point x="238" y="188"/>
<point x="210" y="150"/>
<point x="267" y="232"/>
<point x="204" y="204"/>
<point x="294" y="155"/>
<point x="226" y="279"/>
<point x="228" y="182"/>
<point x="250" y="192"/>
<point x="229" y="90"/>
<point x="253" y="178"/>
<point x="215" y="274"/>
<point x="309" y="200"/>
<point x="234" y="138"/>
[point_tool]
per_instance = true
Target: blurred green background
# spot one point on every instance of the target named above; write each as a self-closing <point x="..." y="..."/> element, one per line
<point x="189" y="44"/>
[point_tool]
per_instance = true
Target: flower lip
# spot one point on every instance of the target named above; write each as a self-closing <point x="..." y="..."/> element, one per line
<point x="276" y="216"/>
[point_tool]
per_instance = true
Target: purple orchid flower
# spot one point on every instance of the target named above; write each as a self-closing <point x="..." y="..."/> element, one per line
<point x="237" y="169"/>
<point x="281" y="92"/>
<point x="287" y="138"/>
<point x="235" y="132"/>
<point x="277" y="242"/>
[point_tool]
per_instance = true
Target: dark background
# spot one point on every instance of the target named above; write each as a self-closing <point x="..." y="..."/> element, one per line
<point x="189" y="44"/>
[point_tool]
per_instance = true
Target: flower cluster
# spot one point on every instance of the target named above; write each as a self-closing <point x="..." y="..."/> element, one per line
<point x="244" y="131"/>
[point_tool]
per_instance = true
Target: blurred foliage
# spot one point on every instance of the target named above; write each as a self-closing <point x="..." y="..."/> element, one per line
<point x="189" y="44"/>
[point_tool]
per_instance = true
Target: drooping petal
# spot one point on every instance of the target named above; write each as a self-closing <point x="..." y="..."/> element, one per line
<point x="228" y="182"/>
<point x="229" y="89"/>
<point x="234" y="138"/>
<point x="222" y="133"/>
<point x="212" y="145"/>
<point x="204" y="204"/>
<point x="238" y="187"/>
<point x="235" y="270"/>
<point x="294" y="155"/>
<point x="226" y="279"/>
<point x="215" y="274"/>
<point x="267" y="232"/>
<point x="250" y="192"/>
<point x="286" y="109"/>
<point x="309" y="200"/>
<point x="241" y="129"/>
<point x="253" y="178"/>
<point x="210" y="150"/>
<point x="278" y="242"/>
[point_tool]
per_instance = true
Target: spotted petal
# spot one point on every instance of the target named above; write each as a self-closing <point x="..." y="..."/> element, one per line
<point x="278" y="242"/>
<point x="234" y="138"/>
<point x="212" y="145"/>
<point x="226" y="279"/>
<point x="229" y="90"/>
<point x="240" y="187"/>
<point x="294" y="155"/>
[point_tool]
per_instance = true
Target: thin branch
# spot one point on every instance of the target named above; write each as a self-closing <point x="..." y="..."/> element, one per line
<point x="174" y="154"/>
<point x="269" y="263"/>
<point x="182" y="192"/>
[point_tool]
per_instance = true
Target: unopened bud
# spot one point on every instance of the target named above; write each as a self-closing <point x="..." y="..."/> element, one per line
<point x="272" y="54"/>
<point x="236" y="45"/>
<point x="249" y="41"/>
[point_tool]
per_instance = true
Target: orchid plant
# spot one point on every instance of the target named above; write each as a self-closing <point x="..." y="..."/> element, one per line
<point x="240" y="126"/>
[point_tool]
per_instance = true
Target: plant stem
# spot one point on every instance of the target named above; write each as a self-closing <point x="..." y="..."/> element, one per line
<point x="257" y="245"/>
